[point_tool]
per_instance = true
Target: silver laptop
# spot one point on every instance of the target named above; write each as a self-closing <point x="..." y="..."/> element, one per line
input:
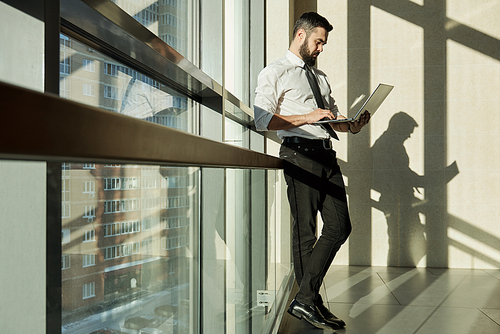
<point x="371" y="104"/>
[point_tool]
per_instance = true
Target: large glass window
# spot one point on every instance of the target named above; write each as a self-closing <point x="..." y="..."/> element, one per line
<point x="174" y="21"/>
<point x="158" y="248"/>
<point x="118" y="88"/>
<point x="130" y="266"/>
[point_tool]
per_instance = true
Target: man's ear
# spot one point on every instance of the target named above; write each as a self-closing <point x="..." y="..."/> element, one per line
<point x="301" y="34"/>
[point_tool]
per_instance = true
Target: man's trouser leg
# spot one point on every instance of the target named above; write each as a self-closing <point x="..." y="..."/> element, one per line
<point x="315" y="183"/>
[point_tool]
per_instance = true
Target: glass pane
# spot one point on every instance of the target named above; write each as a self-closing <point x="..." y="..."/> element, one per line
<point x="211" y="23"/>
<point x="171" y="20"/>
<point x="90" y="77"/>
<point x="237" y="52"/>
<point x="236" y="134"/>
<point x="127" y="245"/>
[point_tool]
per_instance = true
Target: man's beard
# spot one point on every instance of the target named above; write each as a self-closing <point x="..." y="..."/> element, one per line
<point x="307" y="56"/>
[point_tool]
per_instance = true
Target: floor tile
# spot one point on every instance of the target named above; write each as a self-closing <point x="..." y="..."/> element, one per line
<point x="362" y="288"/>
<point x="475" y="292"/>
<point x="422" y="288"/>
<point x="494" y="273"/>
<point x="459" y="321"/>
<point x="457" y="272"/>
<point x="389" y="300"/>
<point x="493" y="314"/>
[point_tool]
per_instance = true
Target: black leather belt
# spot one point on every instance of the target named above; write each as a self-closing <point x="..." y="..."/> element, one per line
<point x="323" y="143"/>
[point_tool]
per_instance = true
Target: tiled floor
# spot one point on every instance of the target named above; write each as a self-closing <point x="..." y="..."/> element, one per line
<point x="391" y="300"/>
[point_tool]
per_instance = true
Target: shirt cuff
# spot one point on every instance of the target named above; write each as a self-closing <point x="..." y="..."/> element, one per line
<point x="262" y="118"/>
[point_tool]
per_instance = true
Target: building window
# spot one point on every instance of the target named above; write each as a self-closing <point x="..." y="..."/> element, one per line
<point x="110" y="92"/>
<point x="171" y="268"/>
<point x="130" y="249"/>
<point x="174" y="222"/>
<point x="65" y="262"/>
<point x="89" y="188"/>
<point x="150" y="203"/>
<point x="89" y="236"/>
<point x="89" y="211"/>
<point x="88" y="260"/>
<point x="112" y="252"/>
<point x="150" y="245"/>
<point x="89" y="290"/>
<point x="111" y="69"/>
<point x="179" y="102"/>
<point x="88" y="65"/>
<point x="88" y="166"/>
<point x="64" y="42"/>
<point x="149" y="182"/>
<point x="175" y="182"/>
<point x="111" y="229"/>
<point x="175" y="202"/>
<point x="124" y="205"/>
<point x="65" y="63"/>
<point x="65" y="169"/>
<point x="65" y="210"/>
<point x="113" y="183"/>
<point x="65" y="236"/>
<point x="64" y="87"/>
<point x="131" y="227"/>
<point x="149" y="223"/>
<point x="121" y="183"/>
<point x="88" y="90"/>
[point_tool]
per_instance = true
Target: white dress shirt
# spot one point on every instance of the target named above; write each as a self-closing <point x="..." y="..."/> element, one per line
<point x="283" y="89"/>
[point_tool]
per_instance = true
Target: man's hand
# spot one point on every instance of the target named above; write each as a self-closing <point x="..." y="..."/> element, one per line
<point x="356" y="126"/>
<point x="318" y="115"/>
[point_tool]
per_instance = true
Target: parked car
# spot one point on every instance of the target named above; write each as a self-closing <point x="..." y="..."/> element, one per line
<point x="106" y="331"/>
<point x="148" y="330"/>
<point x="141" y="321"/>
<point x="165" y="310"/>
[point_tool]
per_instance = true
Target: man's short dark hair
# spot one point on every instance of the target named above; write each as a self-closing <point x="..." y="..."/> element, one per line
<point x="309" y="22"/>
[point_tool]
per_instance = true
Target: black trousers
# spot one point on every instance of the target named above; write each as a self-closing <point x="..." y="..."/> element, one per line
<point x="314" y="184"/>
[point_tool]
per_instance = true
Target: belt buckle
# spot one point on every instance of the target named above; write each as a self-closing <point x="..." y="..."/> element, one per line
<point x="327" y="144"/>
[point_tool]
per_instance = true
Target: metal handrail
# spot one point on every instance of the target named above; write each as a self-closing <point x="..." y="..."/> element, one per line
<point x="45" y="127"/>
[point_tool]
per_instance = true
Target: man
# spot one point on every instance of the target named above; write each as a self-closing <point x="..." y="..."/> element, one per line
<point x="285" y="101"/>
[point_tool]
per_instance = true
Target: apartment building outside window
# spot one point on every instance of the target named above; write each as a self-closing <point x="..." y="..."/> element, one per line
<point x="124" y="205"/>
<point x="110" y="92"/>
<point x="65" y="262"/>
<point x="88" y="90"/>
<point x="89" y="290"/>
<point x="111" y="229"/>
<point x="130" y="227"/>
<point x="88" y="65"/>
<point x="121" y="183"/>
<point x="88" y="260"/>
<point x="89" y="235"/>
<point x="89" y="211"/>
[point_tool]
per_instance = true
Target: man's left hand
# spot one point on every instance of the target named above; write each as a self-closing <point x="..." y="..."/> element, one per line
<point x="356" y="126"/>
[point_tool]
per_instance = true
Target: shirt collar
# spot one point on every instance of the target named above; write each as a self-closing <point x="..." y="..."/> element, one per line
<point x="292" y="58"/>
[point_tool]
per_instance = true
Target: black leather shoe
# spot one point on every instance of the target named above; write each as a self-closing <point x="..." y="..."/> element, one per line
<point x="311" y="314"/>
<point x="329" y="316"/>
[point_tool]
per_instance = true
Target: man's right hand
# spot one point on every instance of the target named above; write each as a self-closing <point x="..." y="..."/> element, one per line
<point x="318" y="115"/>
<point x="279" y="122"/>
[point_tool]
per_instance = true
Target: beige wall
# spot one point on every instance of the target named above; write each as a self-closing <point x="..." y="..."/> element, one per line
<point x="22" y="189"/>
<point x="430" y="199"/>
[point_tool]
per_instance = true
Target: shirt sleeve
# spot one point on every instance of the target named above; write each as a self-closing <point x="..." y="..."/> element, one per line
<point x="332" y="105"/>
<point x="267" y="95"/>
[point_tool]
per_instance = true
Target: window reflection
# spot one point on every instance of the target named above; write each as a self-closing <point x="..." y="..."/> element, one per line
<point x="125" y="240"/>
<point x="92" y="78"/>
<point x="126" y="229"/>
<point x="168" y="19"/>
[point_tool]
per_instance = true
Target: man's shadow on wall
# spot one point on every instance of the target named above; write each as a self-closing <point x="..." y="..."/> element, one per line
<point x="398" y="184"/>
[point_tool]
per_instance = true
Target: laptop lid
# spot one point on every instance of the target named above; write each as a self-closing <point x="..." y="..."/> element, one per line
<point x="371" y="104"/>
